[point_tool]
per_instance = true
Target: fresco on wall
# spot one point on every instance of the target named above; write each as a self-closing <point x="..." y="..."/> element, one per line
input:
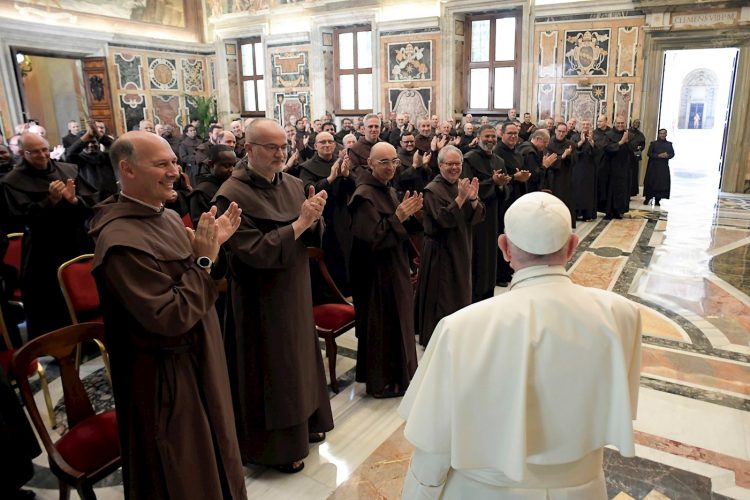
<point x="128" y="71"/>
<point x="164" y="12"/>
<point x="416" y="102"/>
<point x="290" y="69"/>
<point x="220" y="7"/>
<point x="286" y="105"/>
<point x="587" y="52"/>
<point x="409" y="61"/>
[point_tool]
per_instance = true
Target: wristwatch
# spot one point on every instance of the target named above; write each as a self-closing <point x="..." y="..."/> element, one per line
<point x="204" y="262"/>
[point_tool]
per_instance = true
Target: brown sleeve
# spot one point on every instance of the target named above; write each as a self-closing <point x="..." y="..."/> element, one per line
<point x="159" y="303"/>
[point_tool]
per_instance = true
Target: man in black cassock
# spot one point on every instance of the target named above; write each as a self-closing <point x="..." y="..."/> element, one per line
<point x="657" y="182"/>
<point x="327" y="172"/>
<point x="619" y="159"/>
<point x="414" y="172"/>
<point x="51" y="204"/>
<point x="601" y="160"/>
<point x="506" y="149"/>
<point x="637" y="143"/>
<point x="584" y="175"/>
<point x="560" y="173"/>
<point x="489" y="168"/>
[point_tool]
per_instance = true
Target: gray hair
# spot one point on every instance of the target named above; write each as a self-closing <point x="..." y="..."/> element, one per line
<point x="540" y="132"/>
<point x="447" y="149"/>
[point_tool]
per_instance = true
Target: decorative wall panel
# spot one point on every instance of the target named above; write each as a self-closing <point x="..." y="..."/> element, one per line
<point x="583" y="103"/>
<point x="586" y="52"/>
<point x="162" y="73"/>
<point x="235" y="99"/>
<point x="415" y="101"/>
<point x="290" y="81"/>
<point x="410" y="71"/>
<point x="597" y="70"/>
<point x="547" y="53"/>
<point x="128" y="71"/>
<point x="133" y="109"/>
<point x="409" y="61"/>
<point x="627" y="50"/>
<point x="290" y="104"/>
<point x="546" y="100"/>
<point x="193" y="75"/>
<point x="153" y="85"/>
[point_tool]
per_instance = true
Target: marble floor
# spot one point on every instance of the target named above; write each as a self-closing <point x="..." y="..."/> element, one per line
<point x="686" y="265"/>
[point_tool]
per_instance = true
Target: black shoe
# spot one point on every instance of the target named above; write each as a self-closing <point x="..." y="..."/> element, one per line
<point x="657" y="203"/>
<point x="501" y="284"/>
<point x="291" y="468"/>
<point x="317" y="437"/>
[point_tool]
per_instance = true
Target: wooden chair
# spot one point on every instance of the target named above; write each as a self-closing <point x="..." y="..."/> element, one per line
<point x="331" y="319"/>
<point x="90" y="449"/>
<point x="82" y="298"/>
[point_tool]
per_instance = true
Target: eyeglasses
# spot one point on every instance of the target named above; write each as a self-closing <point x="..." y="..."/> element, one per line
<point x="453" y="163"/>
<point x="271" y="148"/>
<point x="42" y="151"/>
<point x="395" y="162"/>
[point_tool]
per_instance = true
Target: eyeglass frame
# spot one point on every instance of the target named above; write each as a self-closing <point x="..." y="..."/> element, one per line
<point x="269" y="147"/>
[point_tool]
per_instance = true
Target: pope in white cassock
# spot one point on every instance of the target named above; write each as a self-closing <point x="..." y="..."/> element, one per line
<point x="517" y="395"/>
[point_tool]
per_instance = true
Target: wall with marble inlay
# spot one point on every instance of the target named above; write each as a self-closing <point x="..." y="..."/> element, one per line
<point x="410" y="68"/>
<point x="157" y="86"/>
<point x="288" y="68"/>
<point x="589" y="67"/>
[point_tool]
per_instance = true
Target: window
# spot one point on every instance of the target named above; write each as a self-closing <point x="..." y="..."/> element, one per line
<point x="492" y="63"/>
<point x="252" y="83"/>
<point x="352" y="55"/>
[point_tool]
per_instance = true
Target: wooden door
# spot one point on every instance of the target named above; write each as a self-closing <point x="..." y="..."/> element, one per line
<point x="98" y="92"/>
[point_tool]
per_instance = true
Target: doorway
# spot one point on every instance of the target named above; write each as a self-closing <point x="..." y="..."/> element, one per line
<point x="694" y="107"/>
<point x="52" y="91"/>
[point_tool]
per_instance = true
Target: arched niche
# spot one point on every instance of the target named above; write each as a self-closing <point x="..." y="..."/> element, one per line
<point x="698" y="99"/>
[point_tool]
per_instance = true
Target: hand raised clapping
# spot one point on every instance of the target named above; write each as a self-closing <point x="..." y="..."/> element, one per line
<point x="411" y="204"/>
<point x="59" y="190"/>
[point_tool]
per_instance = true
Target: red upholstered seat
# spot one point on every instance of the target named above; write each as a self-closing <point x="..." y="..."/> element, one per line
<point x="80" y="286"/>
<point x="187" y="221"/>
<point x="17" y="295"/>
<point x="6" y="357"/>
<point x="95" y="433"/>
<point x="333" y="316"/>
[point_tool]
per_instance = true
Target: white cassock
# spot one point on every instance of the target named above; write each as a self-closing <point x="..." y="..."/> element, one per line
<point x="516" y="396"/>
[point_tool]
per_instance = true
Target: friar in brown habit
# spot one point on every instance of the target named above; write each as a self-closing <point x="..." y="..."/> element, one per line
<point x="383" y="296"/>
<point x="451" y="208"/>
<point x="276" y="369"/>
<point x="169" y="375"/>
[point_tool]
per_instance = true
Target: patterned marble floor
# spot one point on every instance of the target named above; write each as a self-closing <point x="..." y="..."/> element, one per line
<point x="686" y="264"/>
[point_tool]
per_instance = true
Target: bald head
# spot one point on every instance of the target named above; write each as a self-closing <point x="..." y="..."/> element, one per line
<point x="325" y="145"/>
<point x="147" y="166"/>
<point x="383" y="161"/>
<point x="35" y="150"/>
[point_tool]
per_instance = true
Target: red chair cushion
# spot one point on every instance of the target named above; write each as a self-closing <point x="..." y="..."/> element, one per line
<point x="187" y="221"/>
<point x="333" y="316"/>
<point x="17" y="295"/>
<point x="6" y="357"/>
<point x="81" y="286"/>
<point x="92" y="443"/>
<point x="13" y="254"/>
